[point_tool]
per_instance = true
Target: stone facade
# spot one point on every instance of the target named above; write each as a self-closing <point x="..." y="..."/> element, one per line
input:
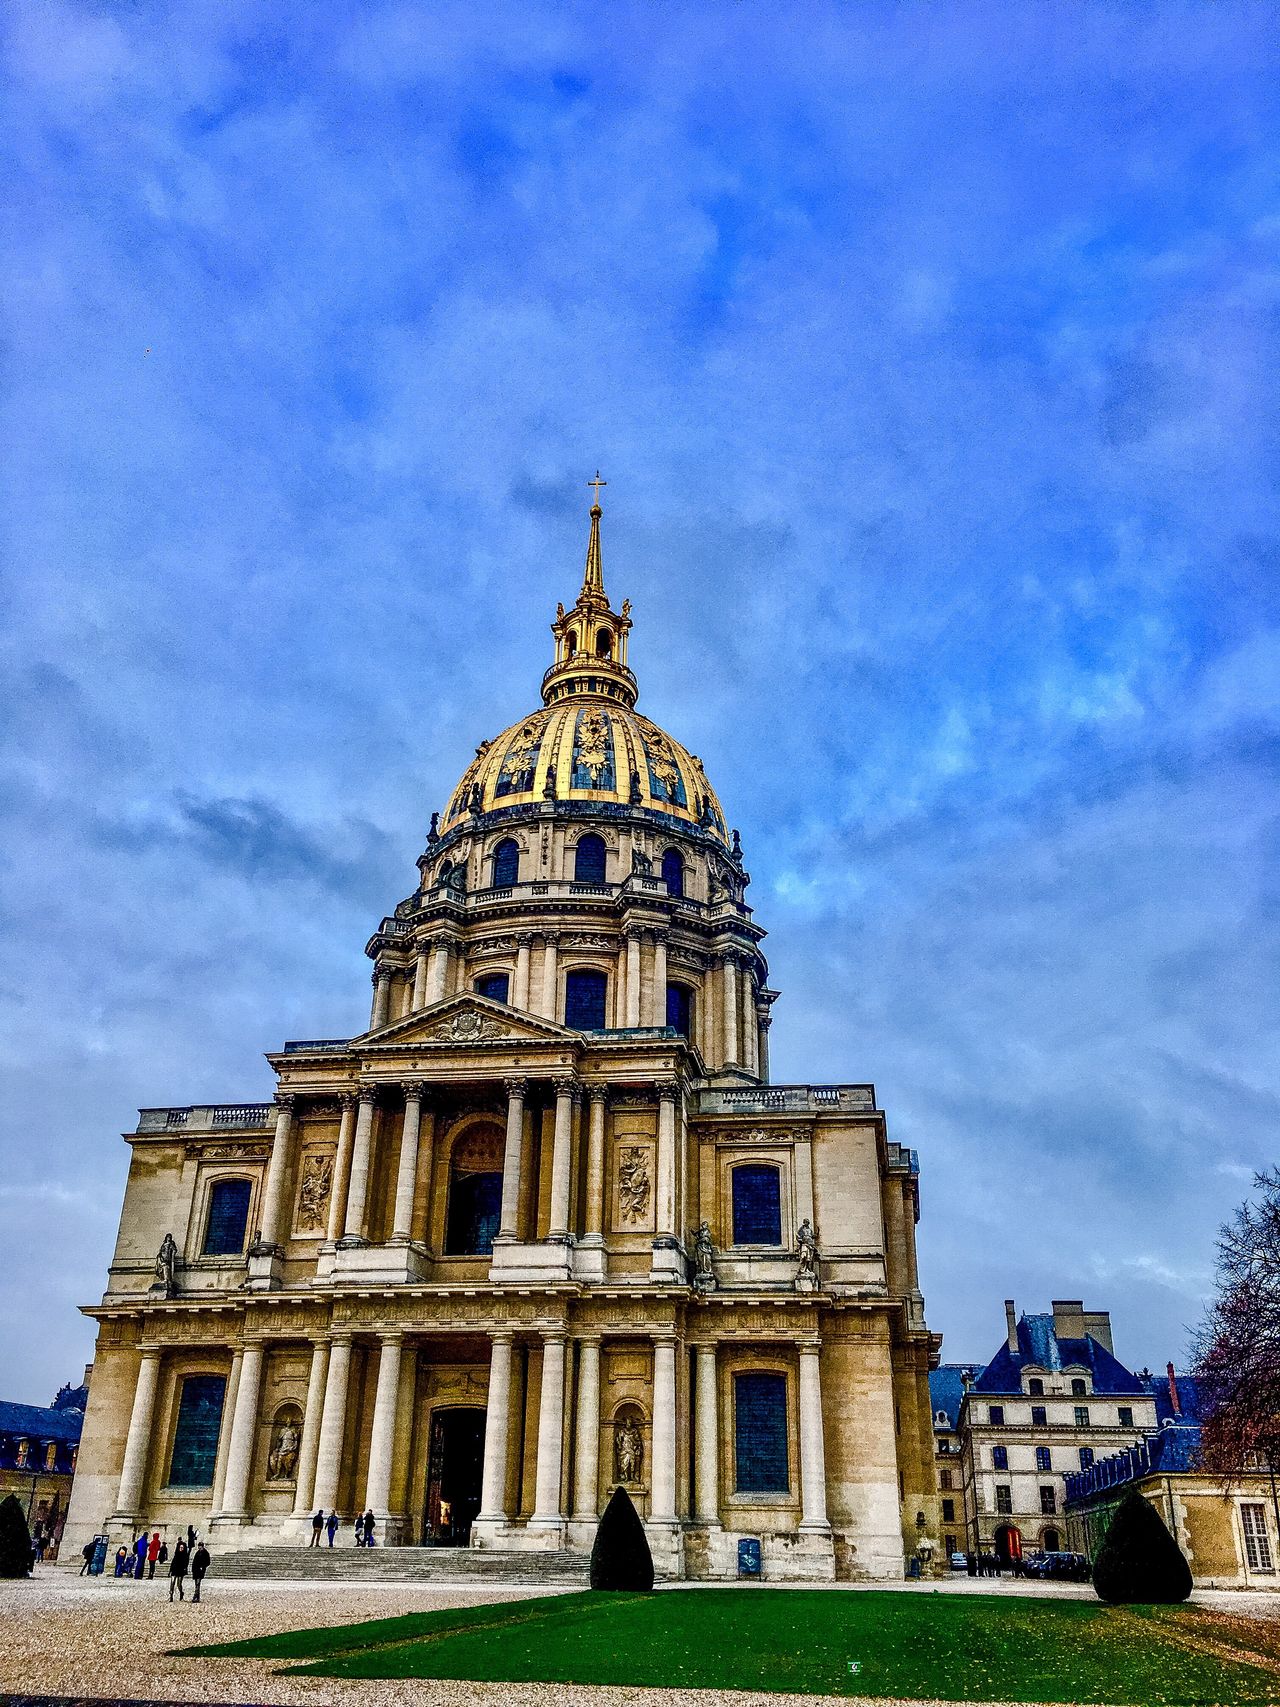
<point x="546" y="1226"/>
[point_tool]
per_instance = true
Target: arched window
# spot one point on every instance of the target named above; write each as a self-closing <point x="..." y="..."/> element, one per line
<point x="475" y="1195"/>
<point x="604" y="644"/>
<point x="757" y="1205"/>
<point x="584" y="999"/>
<point x="571" y="643"/>
<point x="588" y="860"/>
<point x="195" y="1436"/>
<point x="680" y="1009"/>
<point x="1078" y="1387"/>
<point x="506" y="864"/>
<point x="228" y="1219"/>
<point x="760" y="1433"/>
<point x="673" y="871"/>
<point x="1035" y="1386"/>
<point x="1051" y="1541"/>
<point x="495" y="985"/>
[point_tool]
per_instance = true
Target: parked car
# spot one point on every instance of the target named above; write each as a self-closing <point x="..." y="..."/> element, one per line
<point x="1058" y="1567"/>
<point x="959" y="1562"/>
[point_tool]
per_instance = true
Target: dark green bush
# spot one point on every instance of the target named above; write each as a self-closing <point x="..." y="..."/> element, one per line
<point x="1139" y="1561"/>
<point x="621" y="1558"/>
<point x="16" y="1552"/>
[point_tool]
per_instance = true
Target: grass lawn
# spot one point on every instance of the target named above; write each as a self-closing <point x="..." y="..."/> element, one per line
<point x="943" y="1647"/>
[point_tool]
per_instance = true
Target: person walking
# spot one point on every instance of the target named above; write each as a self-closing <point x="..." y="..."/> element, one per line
<point x="191" y="1537"/>
<point x="140" y="1556"/>
<point x="331" y="1526"/>
<point x="317" y="1525"/>
<point x="199" y="1565"/>
<point x="86" y="1553"/>
<point x="360" y="1529"/>
<point x="178" y="1566"/>
<point x="153" y="1553"/>
<point x="369" y="1527"/>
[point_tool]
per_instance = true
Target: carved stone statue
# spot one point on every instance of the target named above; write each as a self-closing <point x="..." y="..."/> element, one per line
<point x="628" y="1451"/>
<point x="313" y="1194"/>
<point x="641" y="864"/>
<point x="806" y="1258"/>
<point x="704" y="1274"/>
<point x="633" y="1184"/>
<point x="635" y="788"/>
<point x="282" y="1460"/>
<point x="166" y="1279"/>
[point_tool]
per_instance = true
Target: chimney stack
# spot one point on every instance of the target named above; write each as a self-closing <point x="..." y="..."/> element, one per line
<point x="1173" y="1391"/>
<point x="1011" y="1326"/>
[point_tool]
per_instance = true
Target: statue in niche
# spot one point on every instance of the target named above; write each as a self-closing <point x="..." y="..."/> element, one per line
<point x="313" y="1194"/>
<point x="641" y="864"/>
<point x="282" y="1459"/>
<point x="704" y="1274"/>
<point x="633" y="1184"/>
<point x="628" y="1451"/>
<point x="166" y="1279"/>
<point x="806" y="1258"/>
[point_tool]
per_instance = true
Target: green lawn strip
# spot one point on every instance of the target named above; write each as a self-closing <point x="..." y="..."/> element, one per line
<point x="946" y="1647"/>
<point x="378" y="1632"/>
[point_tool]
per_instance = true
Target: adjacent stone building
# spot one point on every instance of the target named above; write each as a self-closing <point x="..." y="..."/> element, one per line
<point x="547" y="1226"/>
<point x="39" y="1445"/>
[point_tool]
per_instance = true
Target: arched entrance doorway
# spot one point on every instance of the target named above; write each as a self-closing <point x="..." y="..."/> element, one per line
<point x="1008" y="1544"/>
<point x="454" y="1470"/>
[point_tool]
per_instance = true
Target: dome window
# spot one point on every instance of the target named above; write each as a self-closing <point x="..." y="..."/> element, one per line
<point x="495" y="985"/>
<point x="571" y="643"/>
<point x="506" y="864"/>
<point x="589" y="860"/>
<point x="673" y="872"/>
<point x="584" y="1000"/>
<point x="680" y="1009"/>
<point x="604" y="644"/>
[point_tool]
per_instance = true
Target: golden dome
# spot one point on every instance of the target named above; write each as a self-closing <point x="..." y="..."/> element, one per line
<point x="588" y="746"/>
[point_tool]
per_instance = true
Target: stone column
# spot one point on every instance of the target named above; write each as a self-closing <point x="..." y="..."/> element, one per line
<point x="813" y="1461"/>
<point x="546" y="1499"/>
<point x="381" y="998"/>
<point x="586" y="1474"/>
<point x="593" y="1224"/>
<point x="497" y="1432"/>
<point x="707" y="1438"/>
<point x="244" y="1431"/>
<point x="268" y="1240"/>
<point x="562" y="1158"/>
<point x="662" y="1498"/>
<point x="382" y="1439"/>
<point x="520" y="996"/>
<point x="766" y="1020"/>
<point x="407" y="1171"/>
<point x="438" y="977"/>
<point x="333" y="1423"/>
<point x="224" y="1432"/>
<point x="138" y="1441"/>
<point x="512" y="1155"/>
<point x="420" y="967"/>
<point x="633" y="977"/>
<point x="658" y="995"/>
<point x="341" y="1169"/>
<point x="729" y="973"/>
<point x="307" y="1451"/>
<point x="748" y="1020"/>
<point x="361" y="1160"/>
<point x="665" y="1192"/>
<point x="549" y="950"/>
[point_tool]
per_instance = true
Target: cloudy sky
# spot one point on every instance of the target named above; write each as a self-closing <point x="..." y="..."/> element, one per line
<point x="930" y="354"/>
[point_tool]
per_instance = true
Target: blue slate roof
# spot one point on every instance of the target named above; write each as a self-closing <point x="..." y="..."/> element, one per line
<point x="39" y="1422"/>
<point x="1040" y="1348"/>
<point x="1189" y="1398"/>
<point x="946" y="1390"/>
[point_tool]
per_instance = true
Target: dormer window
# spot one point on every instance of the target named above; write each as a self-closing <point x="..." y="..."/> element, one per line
<point x="1035" y="1387"/>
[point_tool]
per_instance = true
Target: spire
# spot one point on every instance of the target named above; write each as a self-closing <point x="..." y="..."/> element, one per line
<point x="593" y="576"/>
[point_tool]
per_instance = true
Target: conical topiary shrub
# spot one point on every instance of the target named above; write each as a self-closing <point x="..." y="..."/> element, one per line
<point x="1139" y="1560"/>
<point x="15" y="1540"/>
<point x="621" y="1558"/>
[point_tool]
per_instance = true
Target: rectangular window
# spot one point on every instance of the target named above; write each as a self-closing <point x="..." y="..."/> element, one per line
<point x="948" y="1511"/>
<point x="760" y="1433"/>
<point x="584" y="999"/>
<point x="949" y="1543"/>
<point x="999" y="1457"/>
<point x="495" y="985"/>
<point x="680" y="1009"/>
<point x="1039" y="1416"/>
<point x="995" y="1415"/>
<point x="1126" y="1416"/>
<point x="1086" y="1457"/>
<point x="1048" y="1501"/>
<point x="1043" y="1458"/>
<point x="1004" y="1497"/>
<point x="1082" y="1416"/>
<point x="944" y="1478"/>
<point x="195" y="1439"/>
<point x="757" y="1205"/>
<point x="1257" y="1543"/>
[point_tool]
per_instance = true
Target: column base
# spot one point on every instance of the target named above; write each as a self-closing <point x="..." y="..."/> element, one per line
<point x="391" y="1529"/>
<point x="229" y="1521"/>
<point x="552" y="1260"/>
<point x="668" y="1264"/>
<point x="666" y="1543"/>
<point x="265" y="1268"/>
<point x="582" y="1533"/>
<point x="546" y="1533"/>
<point x="492" y="1531"/>
<point x="380" y="1264"/>
<point x="589" y="1258"/>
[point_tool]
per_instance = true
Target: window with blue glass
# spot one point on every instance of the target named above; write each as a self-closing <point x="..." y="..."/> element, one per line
<point x="228" y="1219"/>
<point x="1086" y="1457"/>
<point x="999" y="1457"/>
<point x="680" y="1009"/>
<point x="506" y="864"/>
<point x="673" y="871"/>
<point x="495" y="985"/>
<point x="760" y="1433"/>
<point x="588" y="860"/>
<point x="584" y="999"/>
<point x="475" y="1195"/>
<point x="195" y="1438"/>
<point x="1044" y="1458"/>
<point x="995" y="1415"/>
<point x="757" y="1205"/>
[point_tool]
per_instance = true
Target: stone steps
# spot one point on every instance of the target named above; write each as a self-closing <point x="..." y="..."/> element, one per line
<point x="403" y="1565"/>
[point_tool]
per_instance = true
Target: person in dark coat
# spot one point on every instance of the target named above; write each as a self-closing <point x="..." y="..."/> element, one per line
<point x="369" y="1527"/>
<point x="317" y="1525"/>
<point x="359" y="1529"/>
<point x="86" y="1553"/>
<point x="191" y="1536"/>
<point x="331" y="1526"/>
<point x="199" y="1565"/>
<point x="140" y="1556"/>
<point x="178" y="1567"/>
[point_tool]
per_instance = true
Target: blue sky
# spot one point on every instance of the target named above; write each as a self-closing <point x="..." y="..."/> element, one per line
<point x="930" y="354"/>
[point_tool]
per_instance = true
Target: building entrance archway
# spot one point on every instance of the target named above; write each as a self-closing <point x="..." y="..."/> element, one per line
<point x="1008" y="1543"/>
<point x="454" y="1472"/>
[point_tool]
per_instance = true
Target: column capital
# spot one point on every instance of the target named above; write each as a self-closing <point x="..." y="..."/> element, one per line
<point x="524" y="938"/>
<point x="664" y="1337"/>
<point x="391" y="1336"/>
<point x="592" y="1336"/>
<point x="632" y="931"/>
<point x="367" y="1093"/>
<point x="501" y="1336"/>
<point x="659" y="933"/>
<point x="341" y="1336"/>
<point x="764" y="1018"/>
<point x="554" y="1336"/>
<point x="516" y="1087"/>
<point x="287" y="1100"/>
<point x="597" y="1093"/>
<point x="566" y="1087"/>
<point x="668" y="1090"/>
<point x="414" y="1090"/>
<point x="150" y="1348"/>
<point x="550" y="937"/>
<point x="381" y="972"/>
<point x="810" y="1345"/>
<point x="347" y="1099"/>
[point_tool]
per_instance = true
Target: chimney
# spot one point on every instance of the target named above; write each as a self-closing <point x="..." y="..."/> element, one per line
<point x="1068" y="1318"/>
<point x="1174" y="1400"/>
<point x="1097" y="1324"/>
<point x="1011" y="1326"/>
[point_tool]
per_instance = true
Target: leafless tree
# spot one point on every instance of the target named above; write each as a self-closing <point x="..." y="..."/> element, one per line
<point x="1238" y="1348"/>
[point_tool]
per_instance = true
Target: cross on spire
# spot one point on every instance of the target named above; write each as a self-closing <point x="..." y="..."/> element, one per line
<point x="597" y="483"/>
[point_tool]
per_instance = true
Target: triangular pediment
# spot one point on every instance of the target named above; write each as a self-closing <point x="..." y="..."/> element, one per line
<point x="464" y="1020"/>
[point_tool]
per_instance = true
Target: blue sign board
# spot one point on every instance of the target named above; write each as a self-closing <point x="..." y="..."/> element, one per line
<point x="749" y="1562"/>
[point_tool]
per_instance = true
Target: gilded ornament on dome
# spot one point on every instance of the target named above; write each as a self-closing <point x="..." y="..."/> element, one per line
<point x="593" y="751"/>
<point x="520" y="760"/>
<point x="665" y="780"/>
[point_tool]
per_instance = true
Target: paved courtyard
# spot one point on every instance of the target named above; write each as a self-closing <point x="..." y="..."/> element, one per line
<point x="71" y="1636"/>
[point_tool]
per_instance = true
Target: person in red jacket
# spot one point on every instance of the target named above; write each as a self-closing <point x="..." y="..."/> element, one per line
<point x="153" y="1553"/>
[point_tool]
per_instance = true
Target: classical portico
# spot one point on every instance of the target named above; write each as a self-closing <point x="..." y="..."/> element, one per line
<point x="545" y="1227"/>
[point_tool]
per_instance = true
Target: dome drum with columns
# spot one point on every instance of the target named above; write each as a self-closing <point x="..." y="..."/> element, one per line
<point x="545" y="1226"/>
